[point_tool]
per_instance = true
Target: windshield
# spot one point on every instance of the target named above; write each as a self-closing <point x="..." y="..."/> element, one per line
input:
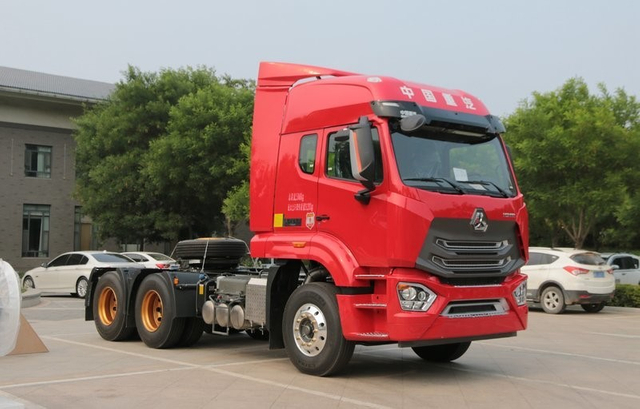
<point x="447" y="163"/>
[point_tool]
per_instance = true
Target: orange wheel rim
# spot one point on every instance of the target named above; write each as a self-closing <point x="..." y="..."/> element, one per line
<point x="152" y="311"/>
<point x="107" y="306"/>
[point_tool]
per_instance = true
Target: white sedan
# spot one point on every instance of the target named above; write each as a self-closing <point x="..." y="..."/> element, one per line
<point x="69" y="272"/>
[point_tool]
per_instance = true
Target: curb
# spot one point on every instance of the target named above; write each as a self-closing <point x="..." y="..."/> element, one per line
<point x="30" y="298"/>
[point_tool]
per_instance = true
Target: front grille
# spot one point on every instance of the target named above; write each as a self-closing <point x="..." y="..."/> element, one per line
<point x="460" y="265"/>
<point x="472" y="309"/>
<point x="453" y="250"/>
<point x="472" y="281"/>
<point x="472" y="246"/>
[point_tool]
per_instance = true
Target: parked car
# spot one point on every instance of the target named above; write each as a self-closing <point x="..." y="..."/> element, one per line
<point x="557" y="278"/>
<point x="68" y="273"/>
<point x="152" y="260"/>
<point x="626" y="267"/>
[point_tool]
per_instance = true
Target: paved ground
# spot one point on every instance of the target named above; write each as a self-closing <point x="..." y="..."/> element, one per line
<point x="575" y="360"/>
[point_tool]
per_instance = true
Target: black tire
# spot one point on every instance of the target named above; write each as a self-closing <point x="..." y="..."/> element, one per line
<point x="193" y="329"/>
<point x="593" y="308"/>
<point x="109" y="313"/>
<point x="258" y="334"/>
<point x="322" y="352"/>
<point x="442" y="353"/>
<point x="155" y="314"/>
<point x="81" y="287"/>
<point x="217" y="251"/>
<point x="552" y="300"/>
<point x="28" y="283"/>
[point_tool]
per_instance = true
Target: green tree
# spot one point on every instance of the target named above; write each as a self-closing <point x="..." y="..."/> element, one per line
<point x="575" y="155"/>
<point x="197" y="163"/>
<point x="141" y="150"/>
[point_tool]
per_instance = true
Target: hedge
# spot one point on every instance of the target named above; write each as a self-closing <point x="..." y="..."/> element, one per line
<point x="627" y="295"/>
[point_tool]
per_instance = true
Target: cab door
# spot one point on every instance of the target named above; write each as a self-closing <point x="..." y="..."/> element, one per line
<point x="361" y="227"/>
<point x="296" y="185"/>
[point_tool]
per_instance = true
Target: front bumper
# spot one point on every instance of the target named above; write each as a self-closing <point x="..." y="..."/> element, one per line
<point x="457" y="313"/>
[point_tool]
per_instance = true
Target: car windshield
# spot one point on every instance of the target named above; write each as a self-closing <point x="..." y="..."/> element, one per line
<point x="448" y="163"/>
<point x="111" y="258"/>
<point x="590" y="259"/>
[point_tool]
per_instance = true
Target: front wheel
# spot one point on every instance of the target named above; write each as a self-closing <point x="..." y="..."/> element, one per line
<point x="552" y="300"/>
<point x="597" y="307"/>
<point x="442" y="353"/>
<point x="312" y="331"/>
<point x="155" y="312"/>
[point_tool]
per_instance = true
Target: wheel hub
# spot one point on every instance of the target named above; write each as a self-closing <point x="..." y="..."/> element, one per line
<point x="107" y="306"/>
<point x="151" y="311"/>
<point x="310" y="330"/>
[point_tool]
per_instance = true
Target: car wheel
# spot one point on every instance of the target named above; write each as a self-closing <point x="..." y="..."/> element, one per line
<point x="81" y="287"/>
<point x="442" y="353"/>
<point x="28" y="283"/>
<point x="312" y="331"/>
<point x="193" y="329"/>
<point x="108" y="309"/>
<point x="597" y="307"/>
<point x="552" y="300"/>
<point x="155" y="312"/>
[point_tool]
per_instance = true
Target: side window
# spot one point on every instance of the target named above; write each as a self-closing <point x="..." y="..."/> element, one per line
<point x="339" y="161"/>
<point x="84" y="260"/>
<point x="60" y="261"/>
<point x="74" y="259"/>
<point x="307" y="155"/>
<point x="534" y="259"/>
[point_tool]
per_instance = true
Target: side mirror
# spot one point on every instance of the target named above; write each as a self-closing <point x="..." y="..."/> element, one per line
<point x="363" y="163"/>
<point x="44" y="264"/>
<point x="615" y="267"/>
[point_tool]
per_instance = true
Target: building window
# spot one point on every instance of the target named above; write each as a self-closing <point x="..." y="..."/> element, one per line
<point x="35" y="230"/>
<point x="37" y="161"/>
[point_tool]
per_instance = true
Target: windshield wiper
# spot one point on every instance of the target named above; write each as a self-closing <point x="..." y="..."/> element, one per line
<point x="439" y="181"/>
<point x="502" y="192"/>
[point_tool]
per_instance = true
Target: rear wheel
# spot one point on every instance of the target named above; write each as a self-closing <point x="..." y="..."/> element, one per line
<point x="442" y="353"/>
<point x="109" y="315"/>
<point x="597" y="307"/>
<point x="552" y="300"/>
<point x="81" y="287"/>
<point x="28" y="282"/>
<point x="312" y="331"/>
<point x="155" y="312"/>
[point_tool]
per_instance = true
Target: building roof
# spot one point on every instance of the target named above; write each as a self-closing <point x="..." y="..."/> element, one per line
<point x="54" y="86"/>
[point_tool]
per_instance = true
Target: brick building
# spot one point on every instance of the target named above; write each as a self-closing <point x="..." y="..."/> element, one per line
<point x="39" y="218"/>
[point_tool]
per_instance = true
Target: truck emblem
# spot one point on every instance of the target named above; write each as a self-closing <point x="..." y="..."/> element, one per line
<point x="479" y="220"/>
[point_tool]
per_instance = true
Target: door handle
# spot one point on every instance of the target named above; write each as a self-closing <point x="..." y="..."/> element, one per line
<point x="322" y="217"/>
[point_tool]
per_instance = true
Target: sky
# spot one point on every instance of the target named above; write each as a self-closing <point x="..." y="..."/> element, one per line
<point x="501" y="51"/>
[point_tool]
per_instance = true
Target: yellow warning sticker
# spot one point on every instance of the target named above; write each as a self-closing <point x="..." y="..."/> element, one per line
<point x="278" y="220"/>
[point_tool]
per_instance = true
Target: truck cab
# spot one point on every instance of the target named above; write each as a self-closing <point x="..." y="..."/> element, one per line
<point x="402" y="195"/>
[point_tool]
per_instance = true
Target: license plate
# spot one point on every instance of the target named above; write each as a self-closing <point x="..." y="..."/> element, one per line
<point x="598" y="274"/>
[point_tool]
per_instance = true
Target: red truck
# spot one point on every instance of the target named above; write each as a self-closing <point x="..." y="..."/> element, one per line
<point x="390" y="210"/>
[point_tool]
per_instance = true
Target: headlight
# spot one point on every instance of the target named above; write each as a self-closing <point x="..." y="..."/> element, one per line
<point x="415" y="297"/>
<point x="520" y="293"/>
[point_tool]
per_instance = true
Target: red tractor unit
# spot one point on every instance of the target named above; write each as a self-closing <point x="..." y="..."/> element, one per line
<point x="390" y="211"/>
